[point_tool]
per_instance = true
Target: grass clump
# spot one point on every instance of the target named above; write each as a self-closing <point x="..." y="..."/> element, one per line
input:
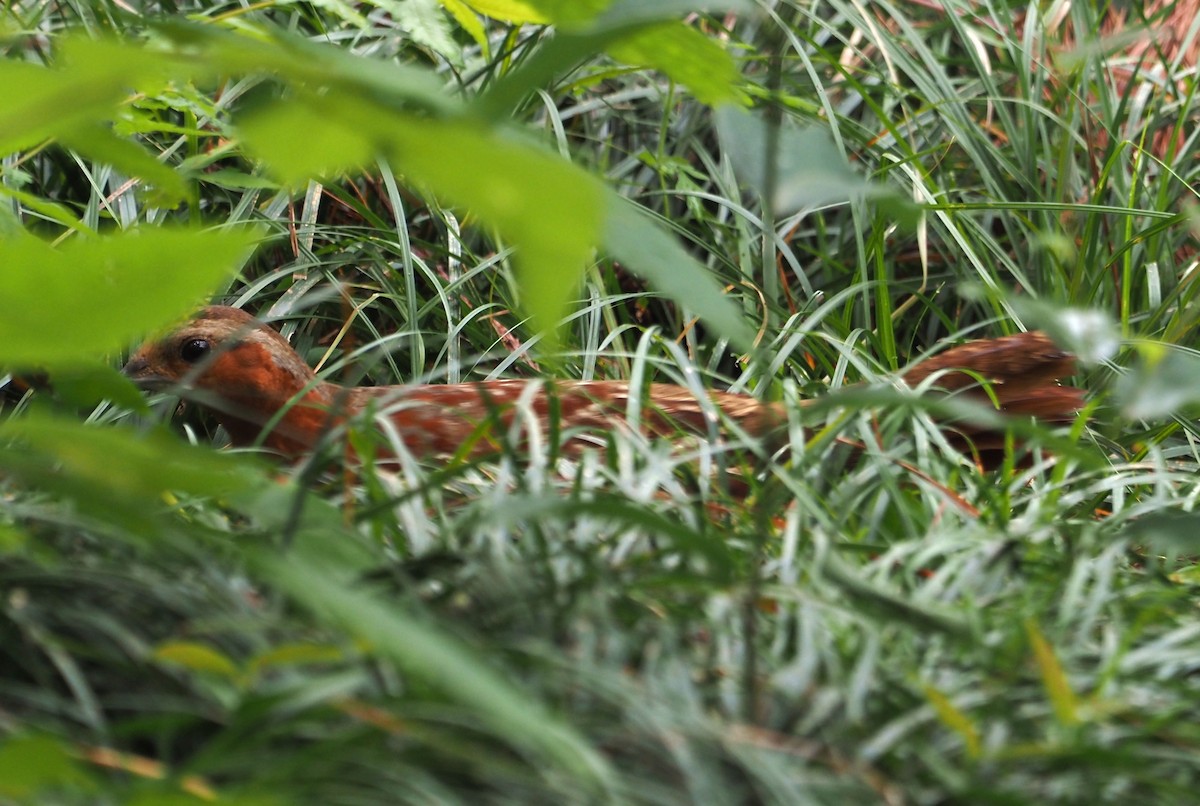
<point x="413" y="194"/>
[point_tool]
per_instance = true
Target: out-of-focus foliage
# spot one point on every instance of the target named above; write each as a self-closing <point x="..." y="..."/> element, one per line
<point x="781" y="198"/>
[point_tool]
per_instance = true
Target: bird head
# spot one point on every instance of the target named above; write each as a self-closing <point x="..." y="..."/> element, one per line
<point x="223" y="351"/>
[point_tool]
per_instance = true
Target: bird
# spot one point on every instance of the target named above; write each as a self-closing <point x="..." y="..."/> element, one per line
<point x="263" y="393"/>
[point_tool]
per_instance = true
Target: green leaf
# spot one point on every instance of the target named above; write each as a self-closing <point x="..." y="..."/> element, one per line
<point x="196" y="658"/>
<point x="96" y="294"/>
<point x="310" y="576"/>
<point x="51" y="210"/>
<point x="953" y="718"/>
<point x="1054" y="679"/>
<point x="889" y="604"/>
<point x="643" y="11"/>
<point x="548" y="208"/>
<point x="1165" y="380"/>
<point x="30" y="764"/>
<point x="12" y="539"/>
<point x="86" y="386"/>
<point x="470" y="23"/>
<point x="508" y="11"/>
<point x="1091" y="335"/>
<point x="633" y="239"/>
<point x="424" y="21"/>
<point x="115" y="474"/>
<point x="298" y="142"/>
<point x="1186" y="576"/>
<point x="237" y="180"/>
<point x="711" y="546"/>
<point x="1166" y="532"/>
<point x="338" y="9"/>
<point x="569" y="13"/>
<point x="92" y="77"/>
<point x="568" y="48"/>
<point x="97" y="142"/>
<point x="296" y="655"/>
<point x="806" y="167"/>
<point x="209" y="51"/>
<point x="688" y="57"/>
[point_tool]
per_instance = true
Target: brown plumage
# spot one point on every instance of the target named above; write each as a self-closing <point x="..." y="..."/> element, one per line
<point x="254" y="381"/>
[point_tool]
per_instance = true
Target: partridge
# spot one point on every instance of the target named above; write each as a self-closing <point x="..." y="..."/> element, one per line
<point x="263" y="392"/>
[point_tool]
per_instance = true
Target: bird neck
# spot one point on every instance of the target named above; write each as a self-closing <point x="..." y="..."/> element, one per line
<point x="270" y="388"/>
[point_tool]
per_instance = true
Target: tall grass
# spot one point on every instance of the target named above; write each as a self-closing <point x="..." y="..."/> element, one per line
<point x="878" y="623"/>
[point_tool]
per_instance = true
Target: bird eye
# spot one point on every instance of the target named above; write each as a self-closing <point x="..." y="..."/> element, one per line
<point x="193" y="350"/>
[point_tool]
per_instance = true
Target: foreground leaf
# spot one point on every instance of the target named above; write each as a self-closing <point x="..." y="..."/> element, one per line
<point x="633" y="239"/>
<point x="97" y="294"/>
<point x="116" y="475"/>
<point x="309" y="576"/>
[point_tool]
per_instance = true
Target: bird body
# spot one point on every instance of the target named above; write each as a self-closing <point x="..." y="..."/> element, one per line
<point x="259" y="388"/>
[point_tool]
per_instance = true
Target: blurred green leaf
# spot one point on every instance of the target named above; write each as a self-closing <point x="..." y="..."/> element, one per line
<point x="33" y="764"/>
<point x="296" y="655"/>
<point x="84" y="88"/>
<point x="98" y="143"/>
<point x="954" y="718"/>
<point x="633" y="239"/>
<point x="588" y="34"/>
<point x="470" y="23"/>
<point x="207" y="52"/>
<point x="890" y="605"/>
<point x="643" y="11"/>
<point x="806" y="168"/>
<point x="508" y="10"/>
<point x="567" y="13"/>
<point x="688" y="57"/>
<point x="904" y="211"/>
<point x="115" y="474"/>
<point x="237" y="180"/>
<point x="1187" y="576"/>
<point x="85" y="386"/>
<point x="96" y="294"/>
<point x="1091" y="335"/>
<point x="1054" y="679"/>
<point x="299" y="142"/>
<point x="12" y="539"/>
<point x="1165" y="380"/>
<point x="548" y="208"/>
<point x="341" y="9"/>
<point x="551" y="210"/>
<point x="53" y="211"/>
<point x="710" y="545"/>
<point x="1168" y="532"/>
<point x="426" y="23"/>
<point x="196" y="657"/>
<point x="166" y="794"/>
<point x="308" y="575"/>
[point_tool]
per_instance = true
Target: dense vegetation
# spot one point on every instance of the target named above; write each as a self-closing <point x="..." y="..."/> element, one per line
<point x="788" y="199"/>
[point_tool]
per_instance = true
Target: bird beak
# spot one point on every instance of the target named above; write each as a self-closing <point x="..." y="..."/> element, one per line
<point x="138" y="371"/>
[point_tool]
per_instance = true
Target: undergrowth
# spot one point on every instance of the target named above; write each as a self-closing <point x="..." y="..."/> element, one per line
<point x="864" y="616"/>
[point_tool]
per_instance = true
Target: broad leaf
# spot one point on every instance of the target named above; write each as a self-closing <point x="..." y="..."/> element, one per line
<point x="39" y="764"/>
<point x="804" y="168"/>
<point x="1165" y="380"/>
<point x="98" y="294"/>
<point x="117" y="475"/>
<point x="545" y="206"/>
<point x="633" y="239"/>
<point x="688" y="57"/>
<point x="86" y="85"/>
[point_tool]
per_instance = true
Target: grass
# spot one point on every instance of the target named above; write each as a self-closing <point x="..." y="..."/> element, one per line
<point x="888" y="625"/>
